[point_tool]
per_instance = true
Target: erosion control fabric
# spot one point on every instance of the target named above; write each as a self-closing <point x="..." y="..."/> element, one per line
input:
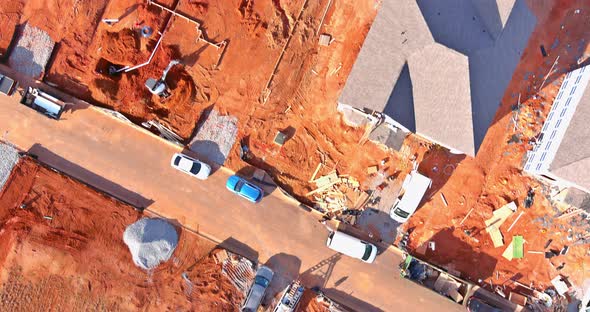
<point x="150" y="241"/>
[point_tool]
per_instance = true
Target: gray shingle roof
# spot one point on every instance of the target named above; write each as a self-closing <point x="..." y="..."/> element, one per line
<point x="572" y="160"/>
<point x="398" y="31"/>
<point x="442" y="96"/>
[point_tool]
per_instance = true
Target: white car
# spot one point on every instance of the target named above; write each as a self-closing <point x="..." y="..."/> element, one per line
<point x="190" y="166"/>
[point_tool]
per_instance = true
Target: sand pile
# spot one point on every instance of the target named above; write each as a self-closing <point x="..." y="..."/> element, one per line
<point x="151" y="241"/>
<point x="8" y="159"/>
<point x="32" y="52"/>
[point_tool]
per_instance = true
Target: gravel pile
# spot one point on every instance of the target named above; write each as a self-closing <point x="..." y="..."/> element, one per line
<point x="32" y="52"/>
<point x="8" y="159"/>
<point x="150" y="241"/>
<point x="215" y="137"/>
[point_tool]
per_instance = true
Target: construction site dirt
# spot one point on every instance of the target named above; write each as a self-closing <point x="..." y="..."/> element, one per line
<point x="270" y="73"/>
<point x="273" y="76"/>
<point x="61" y="248"/>
<point x="467" y="191"/>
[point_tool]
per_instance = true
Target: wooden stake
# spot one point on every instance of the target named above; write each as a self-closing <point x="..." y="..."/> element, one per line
<point x="573" y="213"/>
<point x="323" y="17"/>
<point x="513" y="223"/>
<point x="315" y="172"/>
<point x="466" y="216"/>
<point x="442" y="196"/>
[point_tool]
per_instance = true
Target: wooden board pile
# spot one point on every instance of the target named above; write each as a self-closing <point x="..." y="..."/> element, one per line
<point x="335" y="193"/>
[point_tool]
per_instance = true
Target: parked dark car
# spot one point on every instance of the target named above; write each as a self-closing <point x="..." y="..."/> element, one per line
<point x="7" y="85"/>
<point x="477" y="305"/>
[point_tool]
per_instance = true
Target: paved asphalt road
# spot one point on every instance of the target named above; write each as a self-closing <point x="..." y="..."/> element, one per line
<point x="132" y="164"/>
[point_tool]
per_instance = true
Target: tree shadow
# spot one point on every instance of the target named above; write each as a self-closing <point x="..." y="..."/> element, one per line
<point x="240" y="248"/>
<point x="23" y="60"/>
<point x="89" y="178"/>
<point x="319" y="274"/>
<point x="452" y="251"/>
<point x="286" y="268"/>
<point x="349" y="301"/>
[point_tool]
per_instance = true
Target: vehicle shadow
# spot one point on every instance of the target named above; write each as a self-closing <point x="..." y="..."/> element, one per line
<point x="258" y="177"/>
<point x="319" y="274"/>
<point x="89" y="178"/>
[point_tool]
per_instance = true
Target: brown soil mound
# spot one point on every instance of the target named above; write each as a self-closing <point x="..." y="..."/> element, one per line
<point x="122" y="48"/>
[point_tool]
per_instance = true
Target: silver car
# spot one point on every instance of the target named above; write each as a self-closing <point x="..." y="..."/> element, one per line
<point x="190" y="166"/>
<point x="257" y="290"/>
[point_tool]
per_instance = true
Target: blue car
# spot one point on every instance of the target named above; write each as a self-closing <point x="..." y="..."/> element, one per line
<point x="244" y="188"/>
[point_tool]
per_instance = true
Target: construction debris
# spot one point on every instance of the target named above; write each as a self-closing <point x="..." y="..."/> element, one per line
<point x="496" y="236"/>
<point x="315" y="172"/>
<point x="336" y="193"/>
<point x="325" y="40"/>
<point x="466" y="216"/>
<point x="515" y="220"/>
<point x="518" y="299"/>
<point x="530" y="198"/>
<point x="518" y="248"/>
<point x="239" y="270"/>
<point x="509" y="251"/>
<point x="499" y="217"/>
<point x="280" y="138"/>
<point x="372" y="170"/>
<point x="442" y="196"/>
<point x="560" y="284"/>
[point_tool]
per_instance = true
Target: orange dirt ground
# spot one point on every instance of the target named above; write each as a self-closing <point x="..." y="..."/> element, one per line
<point x="309" y="303"/>
<point x="495" y="177"/>
<point x="302" y="100"/>
<point x="61" y="249"/>
<point x="303" y="92"/>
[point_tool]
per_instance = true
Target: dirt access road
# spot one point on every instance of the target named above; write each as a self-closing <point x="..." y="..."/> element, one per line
<point x="118" y="158"/>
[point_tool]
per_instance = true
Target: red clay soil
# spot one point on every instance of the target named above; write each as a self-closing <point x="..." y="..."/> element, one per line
<point x="495" y="178"/>
<point x="309" y="303"/>
<point x="303" y="92"/>
<point x="61" y="249"/>
<point x="10" y="13"/>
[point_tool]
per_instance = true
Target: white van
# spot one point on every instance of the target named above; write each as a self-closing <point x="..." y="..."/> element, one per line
<point x="352" y="246"/>
<point x="413" y="189"/>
